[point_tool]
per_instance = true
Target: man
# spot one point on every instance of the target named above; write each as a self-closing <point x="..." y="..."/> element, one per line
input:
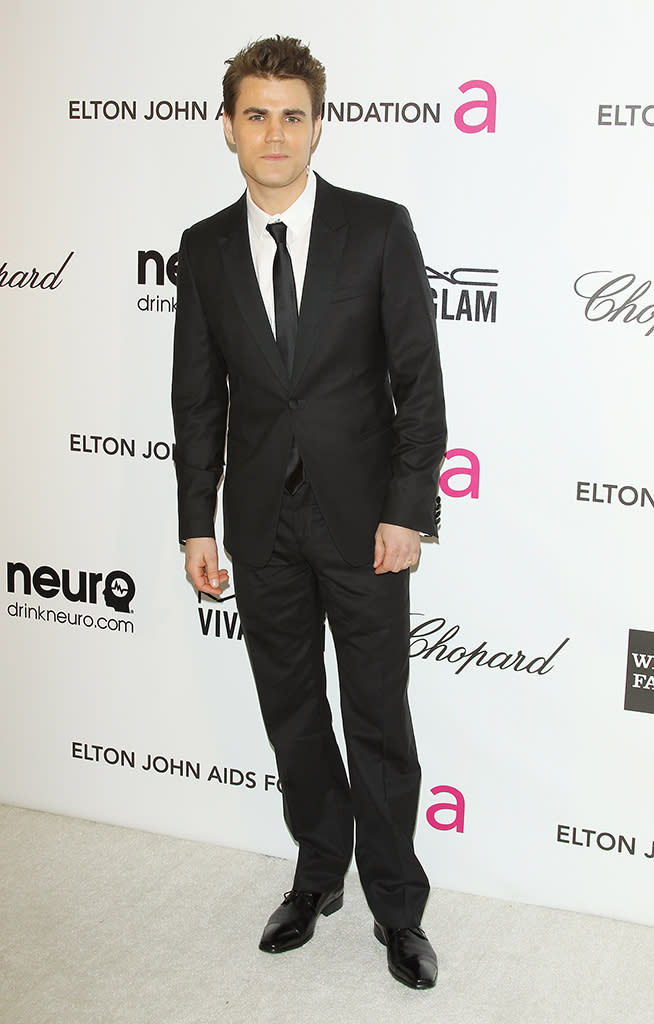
<point x="336" y="433"/>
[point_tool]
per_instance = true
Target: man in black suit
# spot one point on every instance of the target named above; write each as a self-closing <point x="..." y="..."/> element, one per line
<point x="304" y="316"/>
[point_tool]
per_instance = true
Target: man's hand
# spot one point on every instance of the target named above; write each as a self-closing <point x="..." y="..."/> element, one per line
<point x="396" y="548"/>
<point x="202" y="565"/>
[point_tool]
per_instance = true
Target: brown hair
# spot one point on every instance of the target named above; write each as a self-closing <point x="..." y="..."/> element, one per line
<point x="278" y="57"/>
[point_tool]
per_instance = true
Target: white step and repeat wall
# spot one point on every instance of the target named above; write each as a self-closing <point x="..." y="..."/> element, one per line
<point x="521" y="141"/>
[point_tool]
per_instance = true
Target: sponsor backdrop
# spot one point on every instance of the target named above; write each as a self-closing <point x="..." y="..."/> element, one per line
<point x="521" y="142"/>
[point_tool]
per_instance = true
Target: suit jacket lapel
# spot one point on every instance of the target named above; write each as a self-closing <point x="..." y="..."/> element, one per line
<point x="239" y="268"/>
<point x="328" y="234"/>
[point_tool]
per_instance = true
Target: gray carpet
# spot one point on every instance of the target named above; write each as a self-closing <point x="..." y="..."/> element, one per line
<point x="105" y="925"/>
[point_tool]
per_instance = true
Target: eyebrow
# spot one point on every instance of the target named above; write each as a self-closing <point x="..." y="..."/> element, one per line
<point x="295" y="111"/>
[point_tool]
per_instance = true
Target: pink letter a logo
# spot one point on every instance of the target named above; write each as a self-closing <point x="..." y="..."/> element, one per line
<point x="458" y="807"/>
<point x="489" y="104"/>
<point x="469" y="475"/>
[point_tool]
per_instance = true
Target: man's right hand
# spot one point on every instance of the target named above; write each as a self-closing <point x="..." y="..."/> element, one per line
<point x="202" y="565"/>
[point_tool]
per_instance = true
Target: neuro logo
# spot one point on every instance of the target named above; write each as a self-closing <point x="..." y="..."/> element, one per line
<point x="155" y="259"/>
<point x="119" y="589"/>
<point x="78" y="587"/>
<point x="155" y="270"/>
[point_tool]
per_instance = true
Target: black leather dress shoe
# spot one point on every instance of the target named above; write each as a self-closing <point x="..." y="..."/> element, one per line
<point x="411" y="958"/>
<point x="294" y="921"/>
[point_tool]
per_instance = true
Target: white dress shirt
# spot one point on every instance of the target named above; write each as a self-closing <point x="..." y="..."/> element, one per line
<point x="263" y="247"/>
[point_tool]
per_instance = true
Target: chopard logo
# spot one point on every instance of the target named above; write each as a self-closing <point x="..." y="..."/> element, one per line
<point x="433" y="639"/>
<point x="611" y="296"/>
<point x="33" y="278"/>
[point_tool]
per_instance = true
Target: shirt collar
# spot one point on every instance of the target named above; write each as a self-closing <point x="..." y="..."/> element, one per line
<point x="296" y="217"/>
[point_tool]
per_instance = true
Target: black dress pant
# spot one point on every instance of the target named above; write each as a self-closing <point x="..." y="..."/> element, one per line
<point x="282" y="608"/>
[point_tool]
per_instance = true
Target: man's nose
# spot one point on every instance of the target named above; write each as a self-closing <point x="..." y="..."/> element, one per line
<point x="275" y="131"/>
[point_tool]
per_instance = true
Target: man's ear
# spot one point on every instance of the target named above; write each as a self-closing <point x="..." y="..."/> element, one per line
<point x="317" y="128"/>
<point x="227" y="128"/>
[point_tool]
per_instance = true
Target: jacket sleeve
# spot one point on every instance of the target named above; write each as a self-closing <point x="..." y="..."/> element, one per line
<point x="420" y="431"/>
<point x="200" y="402"/>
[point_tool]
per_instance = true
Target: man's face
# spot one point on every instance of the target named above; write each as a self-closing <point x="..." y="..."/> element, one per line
<point x="273" y="132"/>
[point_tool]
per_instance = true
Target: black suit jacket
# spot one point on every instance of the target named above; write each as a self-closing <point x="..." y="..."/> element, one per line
<point x="365" y="399"/>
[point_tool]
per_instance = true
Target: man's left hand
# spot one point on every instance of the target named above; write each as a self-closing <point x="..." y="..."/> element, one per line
<point x="396" y="548"/>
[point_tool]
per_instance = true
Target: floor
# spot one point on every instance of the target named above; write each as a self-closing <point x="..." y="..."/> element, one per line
<point x="106" y="925"/>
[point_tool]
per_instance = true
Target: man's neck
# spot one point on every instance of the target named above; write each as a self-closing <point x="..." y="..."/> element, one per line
<point x="275" y="201"/>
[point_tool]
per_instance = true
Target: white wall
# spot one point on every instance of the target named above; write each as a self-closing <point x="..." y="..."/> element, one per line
<point x="553" y="399"/>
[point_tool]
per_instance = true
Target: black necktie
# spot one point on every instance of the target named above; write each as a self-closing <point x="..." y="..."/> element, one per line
<point x="286" y="331"/>
<point x="285" y="296"/>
